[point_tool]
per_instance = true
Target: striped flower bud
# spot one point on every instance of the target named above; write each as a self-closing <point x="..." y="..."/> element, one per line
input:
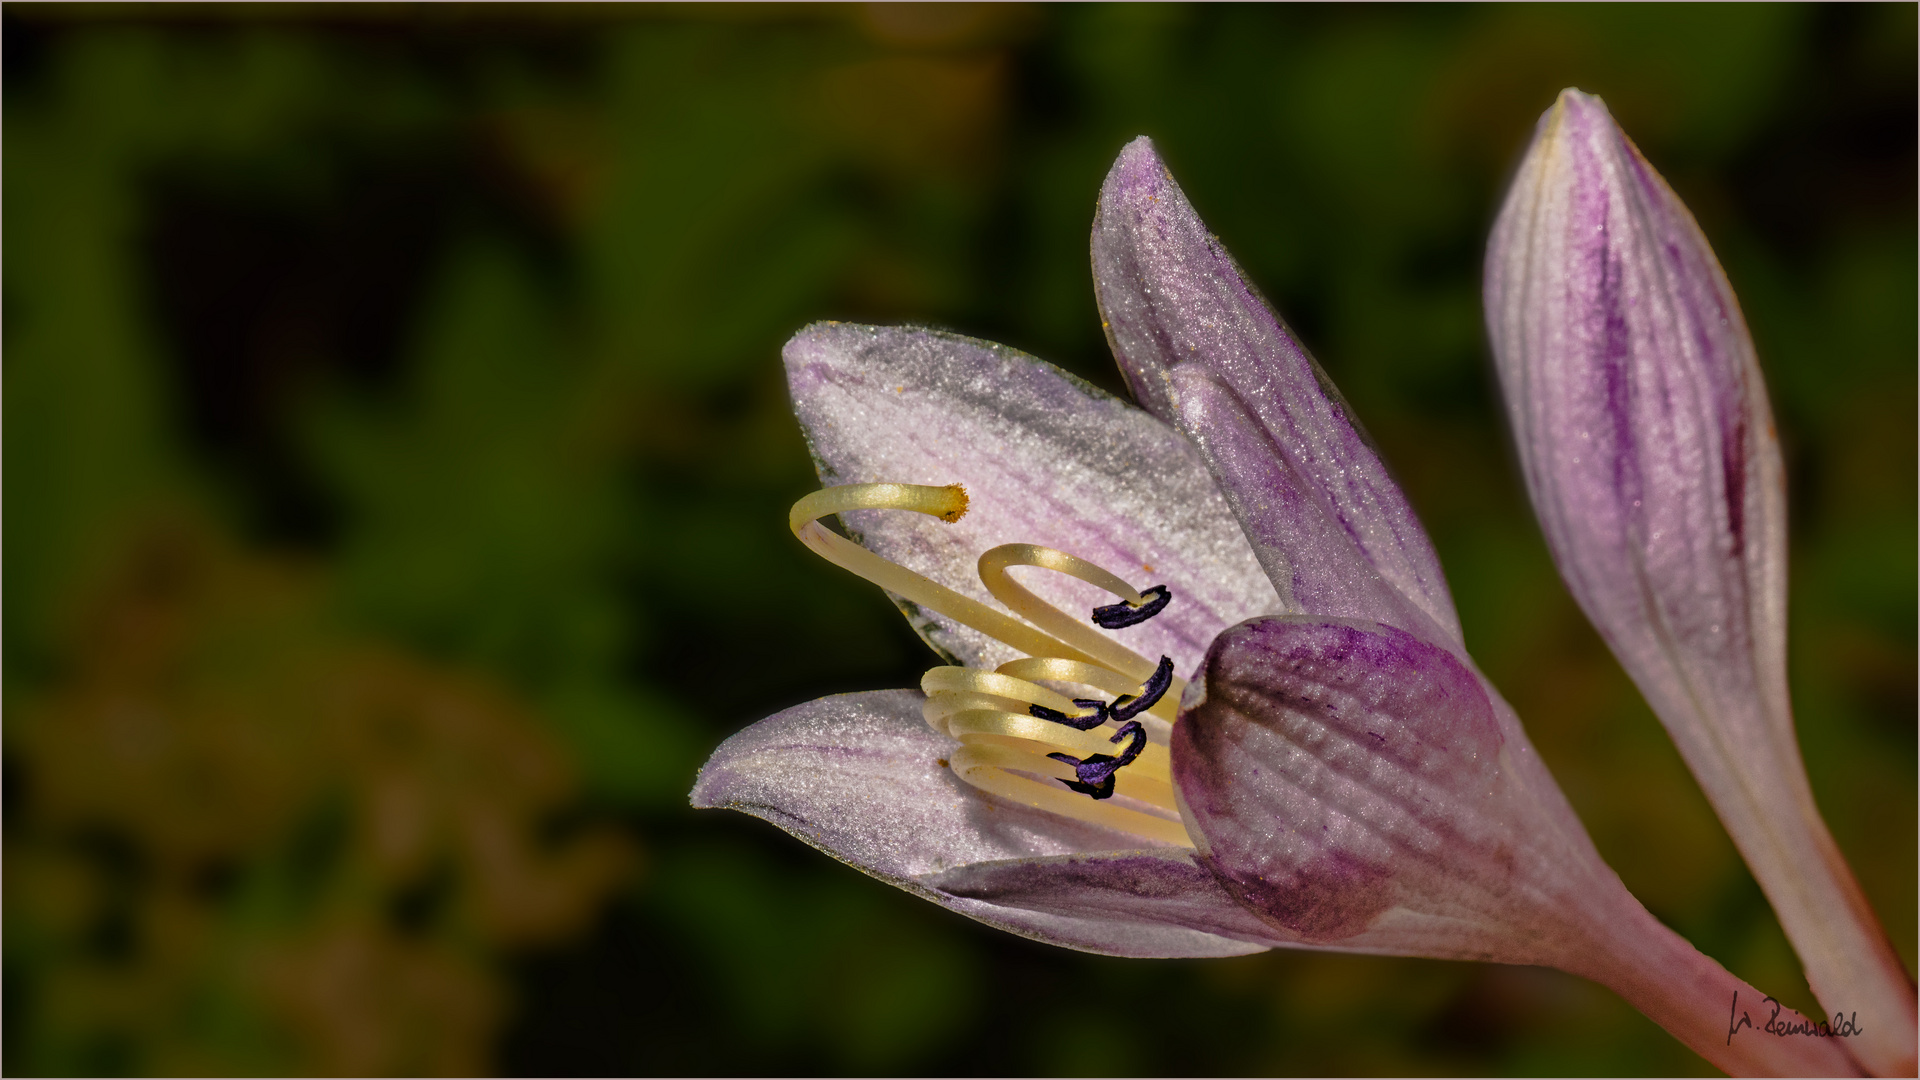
<point x="1650" y="455"/>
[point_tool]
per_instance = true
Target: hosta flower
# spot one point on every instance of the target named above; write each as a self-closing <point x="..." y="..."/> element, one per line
<point x="1205" y="691"/>
<point x="1649" y="451"/>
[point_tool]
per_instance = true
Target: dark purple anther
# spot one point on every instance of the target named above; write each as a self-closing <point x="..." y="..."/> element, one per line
<point x="1094" y="775"/>
<point x="1130" y="706"/>
<point x="1126" y="707"/>
<point x="1122" y="615"/>
<point x="1078" y="723"/>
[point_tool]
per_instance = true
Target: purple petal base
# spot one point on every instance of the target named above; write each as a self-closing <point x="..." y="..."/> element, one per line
<point x="1335" y="770"/>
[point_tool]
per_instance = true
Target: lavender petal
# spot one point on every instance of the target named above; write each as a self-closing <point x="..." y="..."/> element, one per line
<point x="1314" y="570"/>
<point x="860" y="776"/>
<point x="1173" y="299"/>
<point x="1046" y="459"/>
<point x="1152" y="889"/>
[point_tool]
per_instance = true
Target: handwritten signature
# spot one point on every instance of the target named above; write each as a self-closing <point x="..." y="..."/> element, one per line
<point x="1844" y="1025"/>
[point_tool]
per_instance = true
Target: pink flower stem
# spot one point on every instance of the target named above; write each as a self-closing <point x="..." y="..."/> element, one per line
<point x="1716" y="1014"/>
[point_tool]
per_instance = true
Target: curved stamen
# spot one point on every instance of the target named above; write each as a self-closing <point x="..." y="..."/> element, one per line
<point x="1077" y="723"/>
<point x="943" y="704"/>
<point x="947" y="503"/>
<point x="1054" y="669"/>
<point x="994" y="567"/>
<point x="1020" y="732"/>
<point x="1053" y="754"/>
<point x="1093" y="774"/>
<point x="1017" y="775"/>
<point x="972" y="681"/>
<point x="1124" y="614"/>
<point x="1151" y="692"/>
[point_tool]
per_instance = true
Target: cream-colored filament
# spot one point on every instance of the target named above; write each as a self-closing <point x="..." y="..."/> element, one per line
<point x="1003" y="748"/>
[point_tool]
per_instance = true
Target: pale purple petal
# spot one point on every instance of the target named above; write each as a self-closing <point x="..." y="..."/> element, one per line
<point x="1107" y="936"/>
<point x="861" y="777"/>
<point x="1351" y="783"/>
<point x="1046" y="459"/>
<point x="1173" y="298"/>
<point x="1163" y="887"/>
<point x="1327" y="575"/>
<point x="1649" y="451"/>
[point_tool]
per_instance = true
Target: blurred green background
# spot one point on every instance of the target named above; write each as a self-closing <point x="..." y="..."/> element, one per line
<point x="397" y="456"/>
